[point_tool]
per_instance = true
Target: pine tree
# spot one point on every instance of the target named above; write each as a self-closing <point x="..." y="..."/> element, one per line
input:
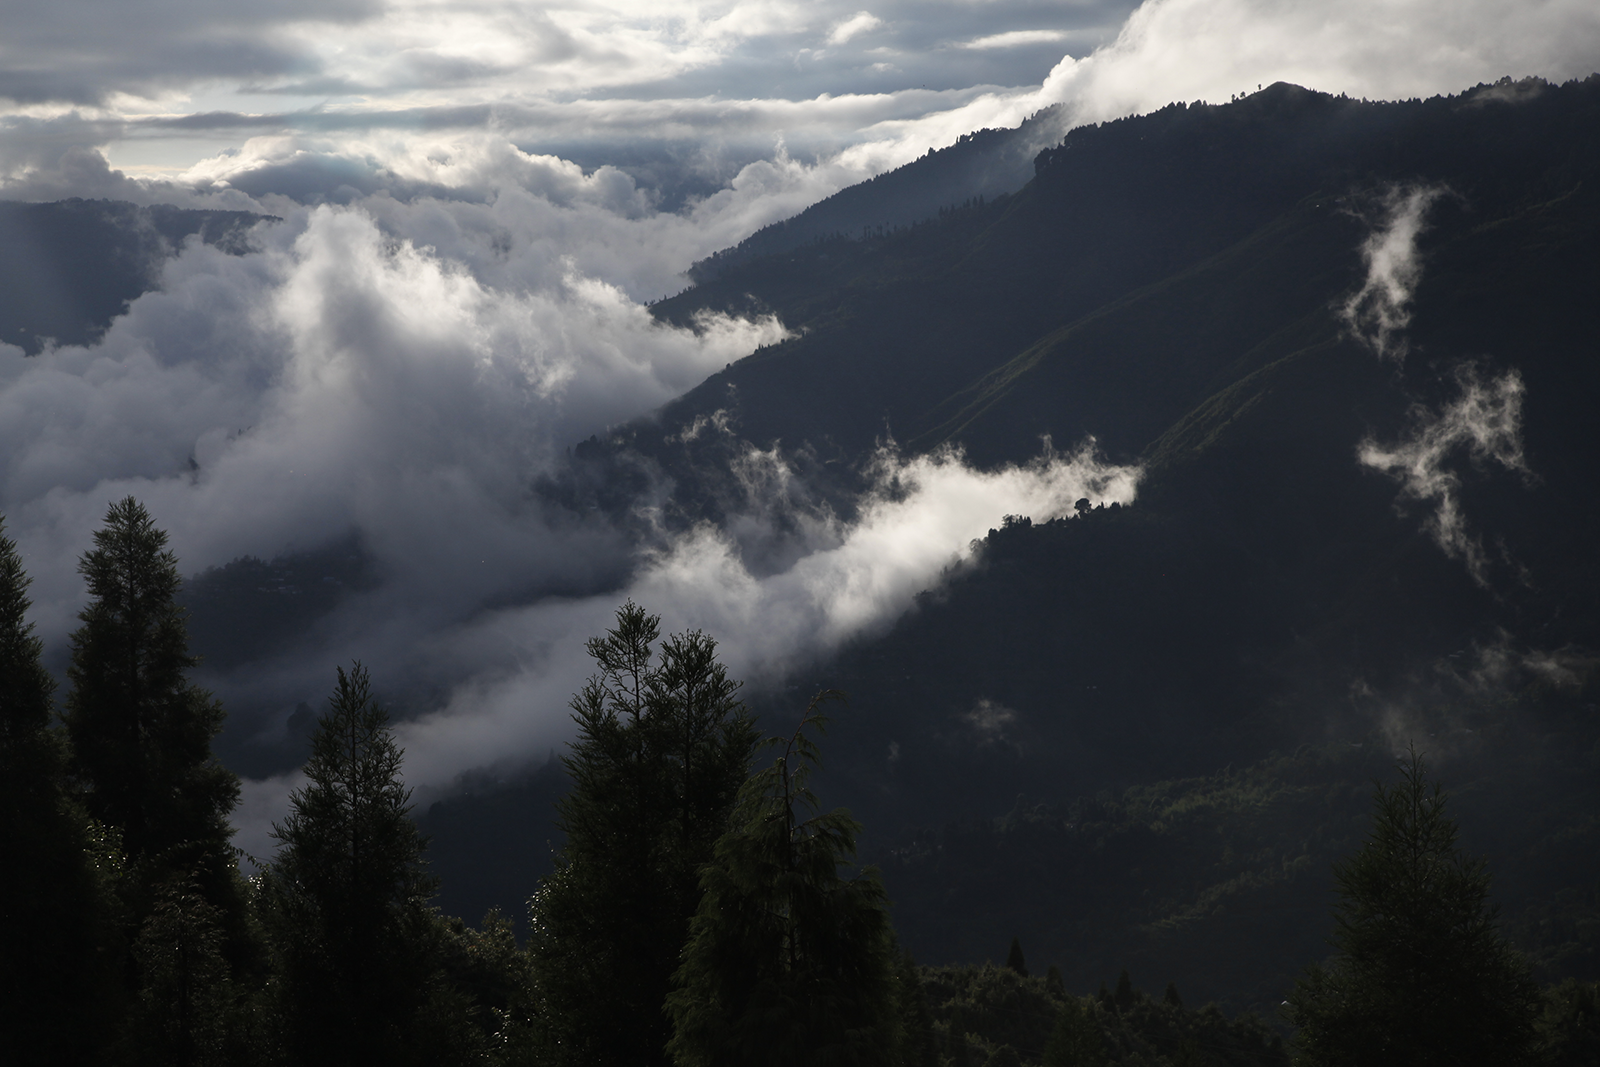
<point x="788" y="961"/>
<point x="1015" y="959"/>
<point x="346" y="895"/>
<point x="57" y="931"/>
<point x="663" y="746"/>
<point x="140" y="732"/>
<point x="1421" y="976"/>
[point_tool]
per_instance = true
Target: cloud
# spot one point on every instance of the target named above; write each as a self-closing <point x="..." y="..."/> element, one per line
<point x="1016" y="38"/>
<point x="345" y="377"/>
<point x="1211" y="49"/>
<point x="478" y="200"/>
<point x="854" y="26"/>
<point x="1379" y="312"/>
<point x="1485" y="423"/>
<point x="920" y="519"/>
<point x="989" y="722"/>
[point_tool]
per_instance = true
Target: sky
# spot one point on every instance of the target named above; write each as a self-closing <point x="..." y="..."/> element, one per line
<point x="478" y="199"/>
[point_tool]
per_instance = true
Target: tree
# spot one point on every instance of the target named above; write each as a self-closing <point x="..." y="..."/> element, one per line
<point x="140" y="732"/>
<point x="1015" y="959"/>
<point x="788" y="961"/>
<point x="346" y="897"/>
<point x="663" y="746"/>
<point x="1421" y="976"/>
<point x="1076" y="1040"/>
<point x="186" y="994"/>
<point x="57" y="933"/>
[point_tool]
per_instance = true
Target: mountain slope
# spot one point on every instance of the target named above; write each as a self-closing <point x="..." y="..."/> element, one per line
<point x="73" y="265"/>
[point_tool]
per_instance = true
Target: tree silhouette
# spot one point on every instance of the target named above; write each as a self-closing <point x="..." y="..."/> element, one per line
<point x="788" y="961"/>
<point x="663" y="747"/>
<point x="141" y="733"/>
<point x="1421" y="976"/>
<point x="57" y="992"/>
<point x="346" y="897"/>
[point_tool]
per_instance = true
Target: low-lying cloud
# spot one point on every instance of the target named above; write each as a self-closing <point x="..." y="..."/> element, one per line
<point x="1378" y="313"/>
<point x="921" y="518"/>
<point x="478" y="201"/>
<point x="1483" y="424"/>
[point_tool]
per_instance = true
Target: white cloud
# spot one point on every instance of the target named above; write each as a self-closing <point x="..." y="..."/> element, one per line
<point x="404" y="363"/>
<point x="1016" y="38"/>
<point x="854" y="26"/>
<point x="1379" y="312"/>
<point x="1485" y="423"/>
<point x="921" y="520"/>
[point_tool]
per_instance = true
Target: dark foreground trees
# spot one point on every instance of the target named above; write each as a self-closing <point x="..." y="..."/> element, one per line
<point x="663" y="746"/>
<point x="140" y="732"/>
<point x="346" y="898"/>
<point x="58" y="989"/>
<point x="788" y="960"/>
<point x="1421" y="976"/>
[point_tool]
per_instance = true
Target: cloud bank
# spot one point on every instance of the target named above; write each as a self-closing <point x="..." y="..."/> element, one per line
<point x="920" y="519"/>
<point x="477" y="202"/>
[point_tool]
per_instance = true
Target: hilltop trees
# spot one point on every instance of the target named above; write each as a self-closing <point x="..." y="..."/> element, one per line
<point x="663" y="746"/>
<point x="788" y="962"/>
<point x="1421" y="976"/>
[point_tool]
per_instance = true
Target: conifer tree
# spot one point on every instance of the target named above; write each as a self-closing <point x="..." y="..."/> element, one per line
<point x="57" y="934"/>
<point x="346" y="897"/>
<point x="140" y="732"/>
<point x="788" y="961"/>
<point x="1421" y="976"/>
<point x="663" y="746"/>
<point x="1014" y="958"/>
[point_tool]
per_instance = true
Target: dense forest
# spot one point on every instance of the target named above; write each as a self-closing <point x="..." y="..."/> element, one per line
<point x="704" y="909"/>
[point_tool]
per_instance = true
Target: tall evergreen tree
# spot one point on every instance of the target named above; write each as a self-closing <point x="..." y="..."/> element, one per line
<point x="1421" y="976"/>
<point x="788" y="961"/>
<point x="346" y="898"/>
<point x="141" y="733"/>
<point x="56" y="915"/>
<point x="663" y="747"/>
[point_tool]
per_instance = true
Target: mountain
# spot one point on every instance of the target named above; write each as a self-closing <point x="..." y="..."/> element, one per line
<point x="980" y="165"/>
<point x="73" y="265"/>
<point x="1200" y="289"/>
<point x="1351" y="347"/>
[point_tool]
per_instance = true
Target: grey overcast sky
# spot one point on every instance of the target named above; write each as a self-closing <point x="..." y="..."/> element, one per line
<point x="201" y="91"/>
<point x="477" y="199"/>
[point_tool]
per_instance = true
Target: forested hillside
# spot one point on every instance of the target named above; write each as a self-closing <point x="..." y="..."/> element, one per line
<point x="1198" y="290"/>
